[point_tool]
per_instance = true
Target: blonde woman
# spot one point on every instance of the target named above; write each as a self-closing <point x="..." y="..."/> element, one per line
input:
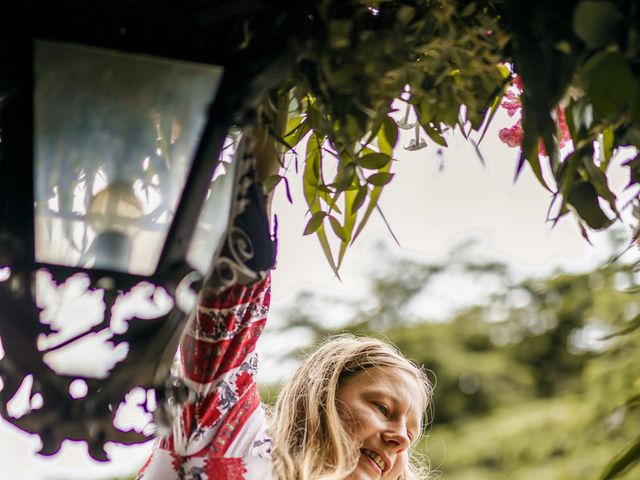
<point x="352" y="410"/>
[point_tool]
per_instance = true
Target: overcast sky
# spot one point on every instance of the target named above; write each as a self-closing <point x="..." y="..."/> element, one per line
<point x="434" y="202"/>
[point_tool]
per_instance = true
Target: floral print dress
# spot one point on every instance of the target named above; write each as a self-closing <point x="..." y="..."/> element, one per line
<point x="223" y="434"/>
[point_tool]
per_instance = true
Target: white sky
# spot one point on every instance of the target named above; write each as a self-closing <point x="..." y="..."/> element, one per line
<point x="429" y="208"/>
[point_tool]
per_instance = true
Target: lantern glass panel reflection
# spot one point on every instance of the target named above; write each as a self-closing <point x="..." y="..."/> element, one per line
<point x="115" y="136"/>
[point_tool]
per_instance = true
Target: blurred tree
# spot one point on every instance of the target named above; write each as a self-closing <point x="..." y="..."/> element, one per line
<point x="531" y="350"/>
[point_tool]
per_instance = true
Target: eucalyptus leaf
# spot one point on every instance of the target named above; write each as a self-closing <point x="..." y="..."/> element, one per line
<point x="350" y="216"/>
<point x="338" y="229"/>
<point x="373" y="160"/>
<point x="359" y="199"/>
<point x="297" y="128"/>
<point x="326" y="249"/>
<point x="374" y="196"/>
<point x="314" y="222"/>
<point x="311" y="174"/>
<point x="380" y="178"/>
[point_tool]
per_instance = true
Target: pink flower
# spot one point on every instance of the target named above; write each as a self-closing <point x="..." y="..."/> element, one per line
<point x="512" y="136"/>
<point x="511" y="106"/>
<point x="561" y="120"/>
<point x="517" y="82"/>
<point x="511" y="100"/>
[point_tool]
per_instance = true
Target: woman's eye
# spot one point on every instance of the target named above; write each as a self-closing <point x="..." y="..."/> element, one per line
<point x="382" y="409"/>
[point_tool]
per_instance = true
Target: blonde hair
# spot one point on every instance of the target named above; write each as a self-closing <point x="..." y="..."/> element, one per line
<point x="309" y="440"/>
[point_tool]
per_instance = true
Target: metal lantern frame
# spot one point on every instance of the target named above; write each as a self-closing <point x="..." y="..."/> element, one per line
<point x="152" y="343"/>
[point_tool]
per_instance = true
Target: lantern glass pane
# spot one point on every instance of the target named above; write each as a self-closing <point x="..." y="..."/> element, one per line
<point x="213" y="220"/>
<point x="115" y="137"/>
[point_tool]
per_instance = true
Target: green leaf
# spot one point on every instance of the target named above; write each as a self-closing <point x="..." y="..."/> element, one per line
<point x="567" y="175"/>
<point x="350" y="216"/>
<point x="435" y="135"/>
<point x="374" y="196"/>
<point x="584" y="200"/>
<point x="271" y="182"/>
<point x="314" y="222"/>
<point x="610" y="84"/>
<point x="489" y="117"/>
<point x="599" y="180"/>
<point x="534" y="162"/>
<point x="622" y="461"/>
<point x="311" y="173"/>
<point x="373" y="160"/>
<point x="380" y="178"/>
<point x="345" y="176"/>
<point x="596" y="22"/>
<point x="326" y="249"/>
<point x="359" y="198"/>
<point x="337" y="228"/>
<point x="608" y="141"/>
<point x="312" y="187"/>
<point x="390" y="132"/>
<point x="331" y="200"/>
<point x="297" y="128"/>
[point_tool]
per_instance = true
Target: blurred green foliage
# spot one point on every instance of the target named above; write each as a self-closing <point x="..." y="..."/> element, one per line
<point x="530" y="382"/>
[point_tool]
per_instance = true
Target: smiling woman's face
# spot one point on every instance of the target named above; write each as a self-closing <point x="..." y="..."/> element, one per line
<point x="381" y="408"/>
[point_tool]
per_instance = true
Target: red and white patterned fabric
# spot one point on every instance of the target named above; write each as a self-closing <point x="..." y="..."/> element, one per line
<point x="223" y="434"/>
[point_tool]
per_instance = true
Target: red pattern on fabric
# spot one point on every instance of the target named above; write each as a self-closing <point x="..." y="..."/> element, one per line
<point x="205" y="361"/>
<point x="166" y="443"/>
<point x="208" y="412"/>
<point x="233" y="424"/>
<point x="176" y="461"/>
<point x="225" y="468"/>
<point x="237" y="294"/>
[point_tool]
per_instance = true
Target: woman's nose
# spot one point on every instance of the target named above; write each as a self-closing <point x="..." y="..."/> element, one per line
<point x="397" y="436"/>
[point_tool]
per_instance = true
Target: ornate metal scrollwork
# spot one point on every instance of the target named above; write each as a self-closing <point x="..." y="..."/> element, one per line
<point x="33" y="335"/>
<point x="248" y="250"/>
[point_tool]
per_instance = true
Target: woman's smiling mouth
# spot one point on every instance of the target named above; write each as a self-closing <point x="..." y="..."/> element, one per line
<point x="375" y="457"/>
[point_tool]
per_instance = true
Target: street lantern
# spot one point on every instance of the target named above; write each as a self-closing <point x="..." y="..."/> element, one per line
<point x="111" y="181"/>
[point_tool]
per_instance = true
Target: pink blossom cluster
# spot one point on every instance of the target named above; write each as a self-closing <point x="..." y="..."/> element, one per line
<point x="512" y="136"/>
